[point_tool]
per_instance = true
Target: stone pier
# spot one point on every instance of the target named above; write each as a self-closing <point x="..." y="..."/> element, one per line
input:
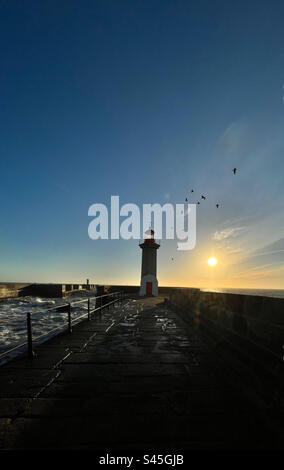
<point x="137" y="377"/>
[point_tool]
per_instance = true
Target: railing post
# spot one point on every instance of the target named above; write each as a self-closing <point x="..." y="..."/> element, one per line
<point x="101" y="302"/>
<point x="69" y="318"/>
<point x="89" y="315"/>
<point x="30" y="335"/>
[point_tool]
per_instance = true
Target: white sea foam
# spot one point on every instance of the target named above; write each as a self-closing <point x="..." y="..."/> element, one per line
<point x="13" y="318"/>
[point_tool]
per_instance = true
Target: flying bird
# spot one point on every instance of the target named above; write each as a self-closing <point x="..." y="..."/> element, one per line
<point x="217" y="205"/>
<point x="198" y="202"/>
<point x="192" y="191"/>
<point x="203" y="197"/>
<point x="186" y="199"/>
<point x="234" y="171"/>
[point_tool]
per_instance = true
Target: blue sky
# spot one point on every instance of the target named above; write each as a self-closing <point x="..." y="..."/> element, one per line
<point x="145" y="100"/>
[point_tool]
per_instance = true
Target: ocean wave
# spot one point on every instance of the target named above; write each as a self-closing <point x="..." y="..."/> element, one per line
<point x="13" y="311"/>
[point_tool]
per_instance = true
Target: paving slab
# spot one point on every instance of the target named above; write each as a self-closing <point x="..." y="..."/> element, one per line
<point x="136" y="376"/>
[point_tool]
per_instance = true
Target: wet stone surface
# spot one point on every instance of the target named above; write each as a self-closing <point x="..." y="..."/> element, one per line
<point x="137" y="376"/>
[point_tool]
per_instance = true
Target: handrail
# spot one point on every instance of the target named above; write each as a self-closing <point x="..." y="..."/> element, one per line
<point x="30" y="339"/>
<point x="51" y="309"/>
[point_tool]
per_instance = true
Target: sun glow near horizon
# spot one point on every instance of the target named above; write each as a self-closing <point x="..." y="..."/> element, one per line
<point x="212" y="261"/>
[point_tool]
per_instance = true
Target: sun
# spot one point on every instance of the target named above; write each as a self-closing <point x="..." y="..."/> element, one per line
<point x="212" y="261"/>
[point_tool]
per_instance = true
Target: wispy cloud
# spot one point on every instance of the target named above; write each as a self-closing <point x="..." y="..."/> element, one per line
<point x="276" y="246"/>
<point x="260" y="271"/>
<point x="268" y="250"/>
<point x="227" y="233"/>
<point x="233" y="251"/>
<point x="267" y="253"/>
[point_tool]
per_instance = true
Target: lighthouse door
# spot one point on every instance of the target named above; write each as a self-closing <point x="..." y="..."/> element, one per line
<point x="148" y="288"/>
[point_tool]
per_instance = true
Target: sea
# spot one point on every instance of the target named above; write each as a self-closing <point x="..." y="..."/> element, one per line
<point x="13" y="329"/>
<point x="278" y="293"/>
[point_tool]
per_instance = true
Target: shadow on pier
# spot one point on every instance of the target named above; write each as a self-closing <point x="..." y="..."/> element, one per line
<point x="138" y="376"/>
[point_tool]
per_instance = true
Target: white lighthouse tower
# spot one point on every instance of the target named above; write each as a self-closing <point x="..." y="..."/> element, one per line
<point x="149" y="282"/>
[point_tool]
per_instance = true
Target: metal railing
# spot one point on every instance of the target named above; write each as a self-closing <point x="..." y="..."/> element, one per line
<point x="65" y="308"/>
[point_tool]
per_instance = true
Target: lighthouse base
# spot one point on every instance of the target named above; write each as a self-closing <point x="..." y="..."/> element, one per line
<point x="148" y="286"/>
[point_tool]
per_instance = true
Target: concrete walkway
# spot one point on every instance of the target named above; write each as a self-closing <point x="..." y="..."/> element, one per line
<point x="138" y="377"/>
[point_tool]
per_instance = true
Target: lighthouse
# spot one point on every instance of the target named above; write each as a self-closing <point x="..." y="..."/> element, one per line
<point x="149" y="282"/>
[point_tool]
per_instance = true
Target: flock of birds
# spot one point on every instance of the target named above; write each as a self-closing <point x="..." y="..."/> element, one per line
<point x="204" y="197"/>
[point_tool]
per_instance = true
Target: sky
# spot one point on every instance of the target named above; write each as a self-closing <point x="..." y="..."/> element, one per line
<point x="145" y="100"/>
